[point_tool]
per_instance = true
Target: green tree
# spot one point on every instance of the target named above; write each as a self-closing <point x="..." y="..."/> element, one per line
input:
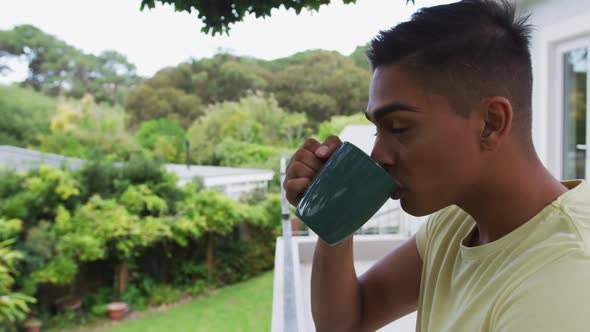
<point x="323" y="85"/>
<point x="256" y="120"/>
<point x="294" y="128"/>
<point x="57" y="68"/>
<point x="85" y="129"/>
<point x="14" y="306"/>
<point x="106" y="77"/>
<point x="104" y="228"/>
<point x="319" y="84"/>
<point x="337" y="123"/>
<point x="25" y="115"/>
<point x="164" y="136"/>
<point x="117" y="75"/>
<point x="265" y="213"/>
<point x="8" y="47"/>
<point x="146" y="103"/>
<point x="219" y="215"/>
<point x="359" y="57"/>
<point x="36" y="195"/>
<point x="49" y="58"/>
<point x="231" y="152"/>
<point x="179" y="77"/>
<point x="143" y="169"/>
<point x="13" y="202"/>
<point x="236" y="78"/>
<point x="223" y="77"/>
<point x="10" y="228"/>
<point x="217" y="16"/>
<point x="204" y="135"/>
<point x="141" y="201"/>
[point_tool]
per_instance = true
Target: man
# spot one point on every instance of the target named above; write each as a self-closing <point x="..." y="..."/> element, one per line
<point x="508" y="249"/>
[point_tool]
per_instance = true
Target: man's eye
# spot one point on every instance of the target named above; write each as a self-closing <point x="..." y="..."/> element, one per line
<point x="398" y="130"/>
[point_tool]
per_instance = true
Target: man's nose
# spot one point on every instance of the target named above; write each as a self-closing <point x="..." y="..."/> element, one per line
<point x="383" y="156"/>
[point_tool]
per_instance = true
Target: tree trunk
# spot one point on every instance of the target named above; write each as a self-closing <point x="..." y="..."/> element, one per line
<point x="209" y="255"/>
<point x="122" y="277"/>
<point x="245" y="232"/>
<point x="114" y="95"/>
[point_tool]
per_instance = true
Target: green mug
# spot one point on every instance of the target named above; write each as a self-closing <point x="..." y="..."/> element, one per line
<point x="349" y="189"/>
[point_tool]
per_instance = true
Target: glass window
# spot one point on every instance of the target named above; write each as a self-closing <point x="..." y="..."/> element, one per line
<point x="575" y="78"/>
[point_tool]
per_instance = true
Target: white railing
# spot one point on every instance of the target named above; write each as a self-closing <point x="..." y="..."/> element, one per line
<point x="291" y="309"/>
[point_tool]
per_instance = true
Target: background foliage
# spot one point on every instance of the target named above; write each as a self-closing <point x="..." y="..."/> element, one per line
<point x="153" y="237"/>
<point x="119" y="228"/>
<point x="217" y="16"/>
<point x="57" y="68"/>
<point x="25" y="115"/>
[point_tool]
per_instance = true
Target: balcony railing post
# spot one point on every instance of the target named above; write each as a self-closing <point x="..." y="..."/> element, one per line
<point x="290" y="302"/>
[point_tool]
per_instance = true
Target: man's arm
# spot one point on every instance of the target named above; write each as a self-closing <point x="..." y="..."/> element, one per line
<point x="387" y="291"/>
<point x="340" y="300"/>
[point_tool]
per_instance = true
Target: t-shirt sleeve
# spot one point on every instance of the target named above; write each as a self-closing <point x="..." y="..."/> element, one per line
<point x="422" y="238"/>
<point x="553" y="299"/>
<point x="429" y="229"/>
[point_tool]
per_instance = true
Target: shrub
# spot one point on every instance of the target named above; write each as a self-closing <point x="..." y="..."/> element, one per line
<point x="135" y="298"/>
<point x="25" y="114"/>
<point x="164" y="294"/>
<point x="255" y="257"/>
<point x="197" y="288"/>
<point x="9" y="228"/>
<point x="13" y="306"/>
<point x="63" y="320"/>
<point x="99" y="310"/>
<point x="147" y="285"/>
<point x="189" y="271"/>
<point x="98" y="177"/>
<point x="97" y="302"/>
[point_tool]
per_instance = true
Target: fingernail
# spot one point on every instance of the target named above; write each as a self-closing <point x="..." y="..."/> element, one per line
<point x="322" y="151"/>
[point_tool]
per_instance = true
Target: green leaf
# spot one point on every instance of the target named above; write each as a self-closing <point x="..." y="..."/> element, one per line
<point x="219" y="16"/>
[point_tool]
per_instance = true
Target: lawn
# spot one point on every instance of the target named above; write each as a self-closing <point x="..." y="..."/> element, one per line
<point x="244" y="307"/>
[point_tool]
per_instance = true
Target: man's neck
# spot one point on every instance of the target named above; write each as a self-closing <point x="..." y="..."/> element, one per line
<point x="514" y="194"/>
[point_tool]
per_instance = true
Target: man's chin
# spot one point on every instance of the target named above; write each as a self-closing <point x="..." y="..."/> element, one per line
<point x="414" y="209"/>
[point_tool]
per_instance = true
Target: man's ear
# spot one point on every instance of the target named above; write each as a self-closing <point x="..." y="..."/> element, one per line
<point x="496" y="119"/>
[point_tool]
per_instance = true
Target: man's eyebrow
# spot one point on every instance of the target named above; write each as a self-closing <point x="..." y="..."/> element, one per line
<point x="380" y="113"/>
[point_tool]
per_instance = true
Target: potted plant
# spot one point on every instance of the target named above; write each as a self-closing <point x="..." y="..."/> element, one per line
<point x="295" y="226"/>
<point x="117" y="310"/>
<point x="33" y="325"/>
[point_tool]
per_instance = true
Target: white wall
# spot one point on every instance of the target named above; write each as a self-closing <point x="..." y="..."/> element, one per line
<point x="556" y="21"/>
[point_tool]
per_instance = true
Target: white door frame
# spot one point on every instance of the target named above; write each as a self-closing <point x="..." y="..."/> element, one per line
<point x="560" y="50"/>
<point x="547" y="88"/>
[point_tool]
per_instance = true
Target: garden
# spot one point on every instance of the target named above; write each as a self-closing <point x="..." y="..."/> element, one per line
<point x="117" y="236"/>
<point x="75" y="244"/>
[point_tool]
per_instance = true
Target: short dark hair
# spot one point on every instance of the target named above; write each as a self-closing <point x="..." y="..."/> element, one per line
<point x="465" y="51"/>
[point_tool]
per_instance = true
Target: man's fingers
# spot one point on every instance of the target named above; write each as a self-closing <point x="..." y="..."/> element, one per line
<point x="298" y="169"/>
<point x="295" y="188"/>
<point x="308" y="158"/>
<point x="331" y="144"/>
<point x="305" y="164"/>
<point x="311" y="144"/>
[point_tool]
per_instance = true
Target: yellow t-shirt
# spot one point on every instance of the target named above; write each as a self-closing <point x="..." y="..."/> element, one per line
<point x="536" y="278"/>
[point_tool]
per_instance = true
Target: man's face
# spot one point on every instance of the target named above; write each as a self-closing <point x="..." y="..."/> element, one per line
<point x="429" y="149"/>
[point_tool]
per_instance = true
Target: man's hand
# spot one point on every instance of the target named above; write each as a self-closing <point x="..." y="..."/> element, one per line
<point x="305" y="165"/>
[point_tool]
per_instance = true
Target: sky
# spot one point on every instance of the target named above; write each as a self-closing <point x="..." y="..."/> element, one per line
<point x="157" y="38"/>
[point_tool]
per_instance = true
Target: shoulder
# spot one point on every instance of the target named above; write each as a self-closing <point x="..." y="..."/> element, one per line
<point x="574" y="206"/>
<point x="553" y="298"/>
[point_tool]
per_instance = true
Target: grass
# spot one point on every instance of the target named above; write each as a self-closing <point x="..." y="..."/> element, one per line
<point x="244" y="307"/>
